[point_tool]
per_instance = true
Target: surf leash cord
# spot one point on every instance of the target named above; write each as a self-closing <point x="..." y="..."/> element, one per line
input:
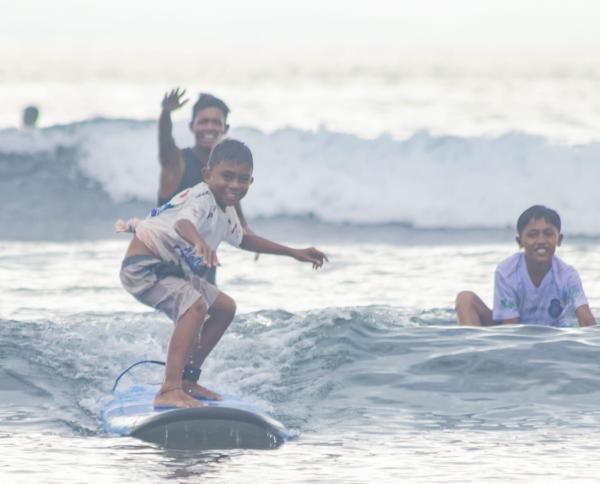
<point x="124" y="372"/>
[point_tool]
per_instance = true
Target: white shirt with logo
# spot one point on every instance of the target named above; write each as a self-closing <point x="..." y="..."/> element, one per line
<point x="552" y="303"/>
<point x="198" y="205"/>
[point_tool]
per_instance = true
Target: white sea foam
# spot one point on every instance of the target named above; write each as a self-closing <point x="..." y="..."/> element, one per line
<point x="423" y="180"/>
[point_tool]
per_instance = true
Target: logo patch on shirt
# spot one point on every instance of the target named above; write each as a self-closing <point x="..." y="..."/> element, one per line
<point x="191" y="258"/>
<point x="158" y="210"/>
<point x="507" y="304"/>
<point x="555" y="308"/>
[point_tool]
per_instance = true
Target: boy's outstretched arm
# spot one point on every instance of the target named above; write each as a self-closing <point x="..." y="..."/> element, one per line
<point x="255" y="243"/>
<point x="585" y="316"/>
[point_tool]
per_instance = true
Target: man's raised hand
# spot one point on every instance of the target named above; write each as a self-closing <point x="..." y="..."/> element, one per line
<point x="173" y="100"/>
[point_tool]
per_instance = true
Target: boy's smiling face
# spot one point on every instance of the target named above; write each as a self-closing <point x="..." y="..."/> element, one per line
<point x="540" y="239"/>
<point x="228" y="181"/>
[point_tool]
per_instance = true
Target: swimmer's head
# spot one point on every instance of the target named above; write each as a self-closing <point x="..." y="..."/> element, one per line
<point x="30" y="116"/>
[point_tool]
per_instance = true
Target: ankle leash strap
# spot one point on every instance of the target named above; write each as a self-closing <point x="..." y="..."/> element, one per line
<point x="191" y="373"/>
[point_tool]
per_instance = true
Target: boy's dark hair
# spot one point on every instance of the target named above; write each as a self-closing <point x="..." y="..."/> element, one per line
<point x="537" y="212"/>
<point x="230" y="150"/>
<point x="209" y="101"/>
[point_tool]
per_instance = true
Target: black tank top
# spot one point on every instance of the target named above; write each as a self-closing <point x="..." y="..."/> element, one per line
<point x="192" y="173"/>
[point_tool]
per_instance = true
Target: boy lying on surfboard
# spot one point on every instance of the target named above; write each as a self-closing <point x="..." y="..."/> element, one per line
<point x="174" y="246"/>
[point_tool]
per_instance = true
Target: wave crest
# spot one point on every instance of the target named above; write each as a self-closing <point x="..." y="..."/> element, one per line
<point x="425" y="181"/>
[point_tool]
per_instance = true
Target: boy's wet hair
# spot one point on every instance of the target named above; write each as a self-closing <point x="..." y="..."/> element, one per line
<point x="537" y="212"/>
<point x="209" y="101"/>
<point x="230" y="150"/>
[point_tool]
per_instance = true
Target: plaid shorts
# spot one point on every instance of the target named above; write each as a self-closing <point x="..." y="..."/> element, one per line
<point x="164" y="285"/>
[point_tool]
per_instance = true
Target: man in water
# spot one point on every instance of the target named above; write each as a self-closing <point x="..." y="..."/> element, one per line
<point x="181" y="169"/>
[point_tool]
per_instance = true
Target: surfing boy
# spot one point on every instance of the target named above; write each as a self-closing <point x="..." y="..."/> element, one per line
<point x="533" y="286"/>
<point x="169" y="253"/>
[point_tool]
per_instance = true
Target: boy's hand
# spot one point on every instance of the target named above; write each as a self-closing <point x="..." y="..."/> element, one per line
<point x="209" y="256"/>
<point x="316" y="257"/>
<point x="172" y="100"/>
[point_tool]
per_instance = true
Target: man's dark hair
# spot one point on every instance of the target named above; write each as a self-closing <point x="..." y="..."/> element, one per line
<point x="537" y="212"/>
<point x="209" y="101"/>
<point x="230" y="150"/>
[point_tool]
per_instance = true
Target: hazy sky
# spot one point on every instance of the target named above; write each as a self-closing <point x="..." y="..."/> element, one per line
<point x="279" y="25"/>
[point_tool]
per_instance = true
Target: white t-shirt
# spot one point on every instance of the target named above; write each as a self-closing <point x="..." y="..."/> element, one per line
<point x="198" y="205"/>
<point x="550" y="304"/>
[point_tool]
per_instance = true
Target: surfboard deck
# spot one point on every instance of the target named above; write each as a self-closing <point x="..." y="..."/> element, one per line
<point x="225" y="424"/>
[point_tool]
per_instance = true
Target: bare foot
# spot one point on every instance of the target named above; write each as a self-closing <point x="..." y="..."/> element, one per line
<point x="175" y="397"/>
<point x="198" y="391"/>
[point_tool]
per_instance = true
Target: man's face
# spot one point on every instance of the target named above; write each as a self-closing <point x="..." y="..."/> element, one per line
<point x="229" y="182"/>
<point x="208" y="126"/>
<point x="539" y="238"/>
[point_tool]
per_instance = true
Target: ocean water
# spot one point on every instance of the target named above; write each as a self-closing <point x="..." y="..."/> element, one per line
<point x="363" y="362"/>
<point x="77" y="178"/>
<point x="410" y="182"/>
